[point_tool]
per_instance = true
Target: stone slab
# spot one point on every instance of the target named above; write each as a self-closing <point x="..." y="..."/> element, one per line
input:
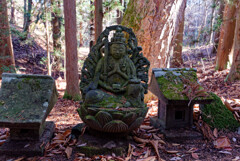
<point x="25" y="102"/>
<point x="28" y="147"/>
<point x="92" y="143"/>
<point x="182" y="134"/>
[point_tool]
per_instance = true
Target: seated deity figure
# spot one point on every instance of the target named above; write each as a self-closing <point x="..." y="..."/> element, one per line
<point x="115" y="81"/>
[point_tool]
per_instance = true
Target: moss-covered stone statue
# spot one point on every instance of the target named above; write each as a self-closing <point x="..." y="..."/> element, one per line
<point x="113" y="82"/>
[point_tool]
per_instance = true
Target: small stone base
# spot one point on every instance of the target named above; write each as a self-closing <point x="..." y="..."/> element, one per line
<point x="91" y="145"/>
<point x="182" y="134"/>
<point x="28" y="147"/>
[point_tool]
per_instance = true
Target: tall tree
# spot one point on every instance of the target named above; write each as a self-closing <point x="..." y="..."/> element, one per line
<point x="235" y="67"/>
<point x="28" y="17"/>
<point x="226" y="36"/>
<point x="56" y="29"/>
<point x="12" y="19"/>
<point x="98" y="18"/>
<point x="72" y="78"/>
<point x="6" y="50"/>
<point x="157" y="25"/>
<point x="216" y="23"/>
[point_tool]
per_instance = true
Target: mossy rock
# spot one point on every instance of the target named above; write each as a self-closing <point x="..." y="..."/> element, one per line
<point x="218" y="116"/>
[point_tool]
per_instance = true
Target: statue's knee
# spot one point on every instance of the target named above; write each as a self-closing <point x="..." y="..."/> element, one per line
<point x="94" y="96"/>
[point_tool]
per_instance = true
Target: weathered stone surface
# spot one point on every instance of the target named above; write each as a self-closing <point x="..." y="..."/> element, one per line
<point x="113" y="84"/>
<point x="177" y="90"/>
<point x="25" y="102"/>
<point x="28" y="147"/>
<point x="171" y="82"/>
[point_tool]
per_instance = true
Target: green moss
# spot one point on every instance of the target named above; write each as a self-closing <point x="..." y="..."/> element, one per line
<point x="70" y="97"/>
<point x="218" y="116"/>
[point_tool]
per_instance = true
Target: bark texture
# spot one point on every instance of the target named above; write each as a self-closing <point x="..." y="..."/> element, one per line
<point x="6" y="50"/>
<point x="98" y="18"/>
<point x="158" y="27"/>
<point x="72" y="78"/>
<point x="226" y="36"/>
<point x="235" y="68"/>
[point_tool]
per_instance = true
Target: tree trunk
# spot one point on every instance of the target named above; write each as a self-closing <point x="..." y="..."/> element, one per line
<point x="213" y="11"/>
<point x="119" y="14"/>
<point x="235" y="68"/>
<point x="215" y="30"/>
<point x="25" y="13"/>
<point x="56" y="29"/>
<point x="6" y="50"/>
<point x="72" y="88"/>
<point x="91" y="26"/>
<point x="28" y="17"/>
<point x="49" y="67"/>
<point x="226" y="36"/>
<point x="98" y="18"/>
<point x="80" y="34"/>
<point x="12" y="19"/>
<point x="157" y="24"/>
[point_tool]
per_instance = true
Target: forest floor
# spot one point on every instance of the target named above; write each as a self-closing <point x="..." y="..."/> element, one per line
<point x="152" y="142"/>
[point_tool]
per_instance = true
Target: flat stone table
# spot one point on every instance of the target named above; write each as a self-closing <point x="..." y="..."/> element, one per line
<point x="25" y="102"/>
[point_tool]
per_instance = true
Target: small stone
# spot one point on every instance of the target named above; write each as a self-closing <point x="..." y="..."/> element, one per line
<point x="110" y="145"/>
<point x="234" y="139"/>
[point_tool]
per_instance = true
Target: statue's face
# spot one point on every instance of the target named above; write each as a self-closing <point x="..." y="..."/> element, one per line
<point x="117" y="51"/>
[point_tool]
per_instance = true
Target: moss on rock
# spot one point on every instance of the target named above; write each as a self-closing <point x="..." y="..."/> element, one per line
<point x="218" y="116"/>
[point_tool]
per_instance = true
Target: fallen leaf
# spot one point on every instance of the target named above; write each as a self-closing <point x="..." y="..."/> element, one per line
<point x="83" y="144"/>
<point x="68" y="152"/>
<point x="140" y="140"/>
<point x="19" y="159"/>
<point x="222" y="142"/>
<point x="172" y="151"/>
<point x="176" y="158"/>
<point x="156" y="137"/>
<point x="151" y="158"/>
<point x="59" y="137"/>
<point x="155" y="146"/>
<point x="2" y="142"/>
<point x="195" y="155"/>
<point x="3" y="137"/>
<point x="145" y="127"/>
<point x="225" y="152"/>
<point x="67" y="133"/>
<point x="27" y="145"/>
<point x="148" y="152"/>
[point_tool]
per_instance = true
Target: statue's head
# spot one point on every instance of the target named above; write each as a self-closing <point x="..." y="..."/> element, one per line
<point x="118" y="44"/>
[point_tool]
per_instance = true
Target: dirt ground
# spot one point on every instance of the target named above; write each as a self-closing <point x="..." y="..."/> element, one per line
<point x="150" y="142"/>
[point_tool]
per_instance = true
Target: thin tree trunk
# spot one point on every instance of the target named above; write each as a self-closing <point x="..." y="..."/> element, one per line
<point x="226" y="37"/>
<point x="80" y="34"/>
<point x="25" y="13"/>
<point x="49" y="68"/>
<point x="98" y="13"/>
<point x="6" y="49"/>
<point x="56" y="29"/>
<point x="91" y="26"/>
<point x="213" y="11"/>
<point x="72" y="88"/>
<point x="235" y="68"/>
<point x="28" y="17"/>
<point x="12" y="19"/>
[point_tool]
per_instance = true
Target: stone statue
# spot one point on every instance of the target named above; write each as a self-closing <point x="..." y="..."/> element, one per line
<point x="113" y="82"/>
